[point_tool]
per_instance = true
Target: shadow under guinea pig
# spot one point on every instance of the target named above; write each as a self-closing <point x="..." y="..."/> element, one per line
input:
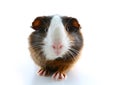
<point x="75" y="77"/>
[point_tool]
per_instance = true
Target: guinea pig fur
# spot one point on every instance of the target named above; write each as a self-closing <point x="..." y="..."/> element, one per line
<point x="55" y="44"/>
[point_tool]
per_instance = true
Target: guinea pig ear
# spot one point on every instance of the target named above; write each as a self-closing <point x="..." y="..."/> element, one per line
<point x="75" y="23"/>
<point x="37" y="23"/>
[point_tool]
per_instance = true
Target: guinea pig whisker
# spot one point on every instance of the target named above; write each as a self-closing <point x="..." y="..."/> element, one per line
<point x="38" y="50"/>
<point x="72" y="42"/>
<point x="72" y="55"/>
<point x="74" y="51"/>
<point x="37" y="46"/>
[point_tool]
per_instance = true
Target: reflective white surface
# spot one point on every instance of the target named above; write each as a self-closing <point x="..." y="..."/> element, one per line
<point x="100" y="59"/>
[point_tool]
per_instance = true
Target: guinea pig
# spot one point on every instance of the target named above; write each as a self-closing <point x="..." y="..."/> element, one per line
<point x="55" y="44"/>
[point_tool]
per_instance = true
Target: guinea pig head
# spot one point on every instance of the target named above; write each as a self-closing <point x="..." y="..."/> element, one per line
<point x="61" y="35"/>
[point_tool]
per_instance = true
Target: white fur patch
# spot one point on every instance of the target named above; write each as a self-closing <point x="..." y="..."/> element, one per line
<point x="56" y="33"/>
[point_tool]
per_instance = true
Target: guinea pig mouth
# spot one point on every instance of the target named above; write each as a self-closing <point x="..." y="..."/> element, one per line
<point x="57" y="52"/>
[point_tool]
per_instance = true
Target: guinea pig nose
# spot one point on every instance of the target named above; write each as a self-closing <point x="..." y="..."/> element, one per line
<point x="57" y="46"/>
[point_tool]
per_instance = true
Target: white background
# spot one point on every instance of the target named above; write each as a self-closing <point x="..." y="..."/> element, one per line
<point x="100" y="59"/>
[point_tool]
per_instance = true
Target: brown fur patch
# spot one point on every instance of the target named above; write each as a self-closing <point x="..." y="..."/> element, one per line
<point x="75" y="23"/>
<point x="58" y="65"/>
<point x="36" y="23"/>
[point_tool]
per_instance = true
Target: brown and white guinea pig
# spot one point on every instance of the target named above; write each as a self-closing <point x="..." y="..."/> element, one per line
<point x="55" y="44"/>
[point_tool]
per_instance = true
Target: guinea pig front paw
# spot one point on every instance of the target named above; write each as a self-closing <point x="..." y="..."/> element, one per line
<point x="43" y="72"/>
<point x="59" y="76"/>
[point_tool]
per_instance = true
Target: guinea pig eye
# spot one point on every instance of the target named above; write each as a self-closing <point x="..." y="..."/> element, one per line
<point x="71" y="29"/>
<point x="45" y="30"/>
